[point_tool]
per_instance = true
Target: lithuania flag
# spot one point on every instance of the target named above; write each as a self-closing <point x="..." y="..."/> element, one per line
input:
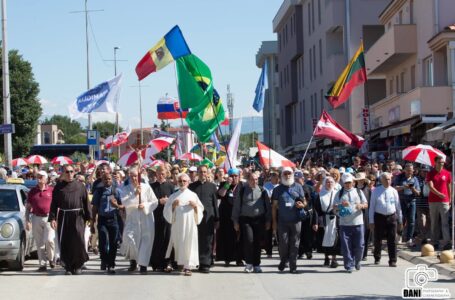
<point x="353" y="75"/>
<point x="196" y="92"/>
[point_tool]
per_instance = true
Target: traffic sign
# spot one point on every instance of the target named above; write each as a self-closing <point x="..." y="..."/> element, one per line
<point x="7" y="128"/>
<point x="92" y="137"/>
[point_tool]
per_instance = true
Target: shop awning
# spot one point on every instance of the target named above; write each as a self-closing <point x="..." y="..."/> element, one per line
<point x="448" y="133"/>
<point x="437" y="133"/>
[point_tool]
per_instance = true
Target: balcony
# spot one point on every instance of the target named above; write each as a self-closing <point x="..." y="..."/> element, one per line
<point x="335" y="64"/>
<point x="334" y="14"/>
<point x="419" y="101"/>
<point x="392" y="48"/>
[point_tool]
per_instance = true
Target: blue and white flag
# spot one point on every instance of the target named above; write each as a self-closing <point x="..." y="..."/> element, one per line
<point x="214" y="139"/>
<point x="263" y="84"/>
<point x="102" y="98"/>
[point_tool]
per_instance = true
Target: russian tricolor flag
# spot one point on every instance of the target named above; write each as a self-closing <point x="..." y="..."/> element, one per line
<point x="168" y="109"/>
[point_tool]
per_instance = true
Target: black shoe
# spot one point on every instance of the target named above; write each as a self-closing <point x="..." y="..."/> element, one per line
<point x="424" y="241"/>
<point x="68" y="272"/>
<point x="293" y="270"/>
<point x="111" y="271"/>
<point x="376" y="261"/>
<point x="300" y="256"/>
<point x="204" y="269"/>
<point x="364" y="259"/>
<point x="42" y="269"/>
<point x="51" y="264"/>
<point x="281" y="266"/>
<point x="448" y="246"/>
<point x="84" y="267"/>
<point x="103" y="267"/>
<point x="392" y="264"/>
<point x="143" y="270"/>
<point x="334" y="264"/>
<point x="239" y="263"/>
<point x="133" y="266"/>
<point x="309" y="255"/>
<point x="326" y="262"/>
<point x="77" y="271"/>
<point x="227" y="263"/>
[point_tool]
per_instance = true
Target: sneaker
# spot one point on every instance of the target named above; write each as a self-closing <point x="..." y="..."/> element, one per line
<point x="204" y="269"/>
<point x="42" y="269"/>
<point x="392" y="264"/>
<point x="257" y="269"/>
<point x="349" y="270"/>
<point x="334" y="264"/>
<point x="410" y="243"/>
<point x="111" y="271"/>
<point x="77" y="271"/>
<point x="68" y="272"/>
<point x="143" y="270"/>
<point x="376" y="261"/>
<point x="281" y="266"/>
<point x="51" y="264"/>
<point x="103" y="266"/>
<point x="133" y="266"/>
<point x="248" y="268"/>
<point x="326" y="262"/>
<point x="357" y="266"/>
<point x="309" y="255"/>
<point x="293" y="270"/>
<point x="239" y="263"/>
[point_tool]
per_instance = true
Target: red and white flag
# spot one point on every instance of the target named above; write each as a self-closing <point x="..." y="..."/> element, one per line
<point x="118" y="139"/>
<point x="329" y="128"/>
<point x="272" y="159"/>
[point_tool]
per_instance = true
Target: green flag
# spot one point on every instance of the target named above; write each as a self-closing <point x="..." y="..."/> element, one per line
<point x="194" y="82"/>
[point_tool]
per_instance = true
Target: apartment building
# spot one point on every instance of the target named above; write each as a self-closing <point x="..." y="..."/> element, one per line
<point x="316" y="39"/>
<point x="271" y="122"/>
<point x="415" y="58"/>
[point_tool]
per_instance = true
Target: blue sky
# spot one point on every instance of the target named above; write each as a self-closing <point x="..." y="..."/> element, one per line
<point x="225" y="34"/>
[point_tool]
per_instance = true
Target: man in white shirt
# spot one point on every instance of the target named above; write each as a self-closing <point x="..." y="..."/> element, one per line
<point x="384" y="214"/>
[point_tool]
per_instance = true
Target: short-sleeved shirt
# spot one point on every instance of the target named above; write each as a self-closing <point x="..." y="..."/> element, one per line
<point x="406" y="194"/>
<point x="352" y="197"/>
<point x="286" y="197"/>
<point x="101" y="199"/>
<point x="440" y="182"/>
<point x="40" y="200"/>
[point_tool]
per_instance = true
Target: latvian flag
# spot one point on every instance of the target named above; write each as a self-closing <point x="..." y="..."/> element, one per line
<point x="272" y="159"/>
<point x="329" y="128"/>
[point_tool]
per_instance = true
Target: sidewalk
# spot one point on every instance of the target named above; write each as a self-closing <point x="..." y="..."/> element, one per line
<point x="414" y="256"/>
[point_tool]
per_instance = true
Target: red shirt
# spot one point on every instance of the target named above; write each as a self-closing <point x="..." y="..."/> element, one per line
<point x="440" y="182"/>
<point x="40" y="201"/>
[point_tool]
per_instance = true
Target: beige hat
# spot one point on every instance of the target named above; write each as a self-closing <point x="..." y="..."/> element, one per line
<point x="360" y="176"/>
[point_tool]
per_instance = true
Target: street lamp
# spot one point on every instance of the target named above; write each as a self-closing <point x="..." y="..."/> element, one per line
<point x="115" y="60"/>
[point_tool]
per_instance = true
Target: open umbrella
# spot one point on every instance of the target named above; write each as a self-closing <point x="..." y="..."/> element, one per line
<point x="190" y="156"/>
<point x="159" y="144"/>
<point x="61" y="160"/>
<point x="130" y="158"/>
<point x="36" y="160"/>
<point x="19" y="162"/>
<point x="423" y="154"/>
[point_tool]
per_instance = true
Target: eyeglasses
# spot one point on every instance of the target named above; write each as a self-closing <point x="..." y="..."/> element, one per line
<point x="69" y="171"/>
<point x="182" y="181"/>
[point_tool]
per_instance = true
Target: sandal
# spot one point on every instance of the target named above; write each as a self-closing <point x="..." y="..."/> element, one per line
<point x="187" y="272"/>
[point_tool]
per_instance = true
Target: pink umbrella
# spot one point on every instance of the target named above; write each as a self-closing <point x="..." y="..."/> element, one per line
<point x="130" y="158"/>
<point x="61" y="160"/>
<point x="36" y="160"/>
<point x="19" y="162"/>
<point x="190" y="156"/>
<point x="423" y="154"/>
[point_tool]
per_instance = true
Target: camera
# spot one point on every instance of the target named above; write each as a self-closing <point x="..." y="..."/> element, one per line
<point x="420" y="275"/>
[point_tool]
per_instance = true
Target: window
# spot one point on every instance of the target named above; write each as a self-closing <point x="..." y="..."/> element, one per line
<point x="302" y="104"/>
<point x="402" y="82"/>
<point x="391" y="86"/>
<point x="322" y="100"/>
<point x="314" y="61"/>
<point x="400" y="17"/>
<point x="311" y="65"/>
<point x="277" y="124"/>
<point x="428" y="71"/>
<point x="413" y="77"/>
<point x="397" y="86"/>
<point x="295" y="118"/>
<point x="47" y="138"/>
<point x="312" y="106"/>
<point x="309" y="18"/>
<point x="279" y="41"/>
<point x="320" y="56"/>
<point x="319" y="12"/>
<point x="303" y="71"/>
<point x="411" y="11"/>
<point x="312" y="14"/>
<point x="281" y="79"/>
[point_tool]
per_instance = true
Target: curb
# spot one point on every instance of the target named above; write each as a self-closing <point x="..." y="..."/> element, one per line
<point x="430" y="261"/>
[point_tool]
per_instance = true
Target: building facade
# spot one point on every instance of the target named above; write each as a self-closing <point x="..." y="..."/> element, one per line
<point x="271" y="121"/>
<point x="415" y="59"/>
<point x="316" y="39"/>
<point x="49" y="134"/>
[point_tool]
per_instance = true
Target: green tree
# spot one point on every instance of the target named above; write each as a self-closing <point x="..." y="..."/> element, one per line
<point x="72" y="130"/>
<point x="106" y="128"/>
<point x="25" y="106"/>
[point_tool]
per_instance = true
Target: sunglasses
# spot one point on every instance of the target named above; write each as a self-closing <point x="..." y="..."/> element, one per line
<point x="182" y="181"/>
<point x="69" y="171"/>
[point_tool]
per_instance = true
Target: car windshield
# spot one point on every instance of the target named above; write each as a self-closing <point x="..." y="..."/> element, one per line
<point x="8" y="200"/>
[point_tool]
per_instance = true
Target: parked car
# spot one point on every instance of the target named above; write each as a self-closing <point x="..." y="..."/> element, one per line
<point x="15" y="241"/>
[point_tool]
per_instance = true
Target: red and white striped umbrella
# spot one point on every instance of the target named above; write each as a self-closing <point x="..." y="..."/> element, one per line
<point x="36" y="160"/>
<point x="423" y="154"/>
<point x="19" y="162"/>
<point x="190" y="156"/>
<point x="159" y="144"/>
<point x="129" y="158"/>
<point x="62" y="160"/>
<point x="156" y="163"/>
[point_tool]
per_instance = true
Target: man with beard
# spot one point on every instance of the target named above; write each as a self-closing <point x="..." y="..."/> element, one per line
<point x="184" y="211"/>
<point x="162" y="189"/>
<point x="68" y="214"/>
<point x="288" y="199"/>
<point x="227" y="240"/>
<point x="207" y="193"/>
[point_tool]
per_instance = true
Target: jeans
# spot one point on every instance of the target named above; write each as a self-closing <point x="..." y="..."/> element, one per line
<point x="108" y="237"/>
<point x="352" y="244"/>
<point x="253" y="231"/>
<point x="289" y="240"/>
<point x="408" y="209"/>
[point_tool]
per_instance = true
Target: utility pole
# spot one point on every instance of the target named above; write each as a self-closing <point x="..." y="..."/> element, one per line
<point x="230" y="105"/>
<point x="8" y="147"/>
<point x="139" y="86"/>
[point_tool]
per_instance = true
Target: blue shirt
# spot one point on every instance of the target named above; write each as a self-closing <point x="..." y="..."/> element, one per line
<point x="384" y="201"/>
<point x="101" y="200"/>
<point x="286" y="197"/>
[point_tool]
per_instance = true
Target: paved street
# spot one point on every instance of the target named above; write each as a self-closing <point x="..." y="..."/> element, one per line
<point x="313" y="282"/>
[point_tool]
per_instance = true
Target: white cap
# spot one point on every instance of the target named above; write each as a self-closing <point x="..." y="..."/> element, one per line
<point x="42" y="173"/>
<point x="53" y="174"/>
<point x="192" y="169"/>
<point x="347" y="177"/>
<point x="287" y="169"/>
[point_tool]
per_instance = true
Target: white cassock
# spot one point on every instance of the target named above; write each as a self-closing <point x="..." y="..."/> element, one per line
<point x="139" y="228"/>
<point x="184" y="220"/>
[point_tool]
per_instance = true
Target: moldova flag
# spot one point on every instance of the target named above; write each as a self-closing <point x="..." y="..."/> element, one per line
<point x="353" y="75"/>
<point x="169" y="109"/>
<point x="171" y="47"/>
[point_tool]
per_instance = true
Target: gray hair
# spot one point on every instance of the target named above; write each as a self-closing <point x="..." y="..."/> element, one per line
<point x="385" y="174"/>
<point x="133" y="169"/>
<point x="183" y="175"/>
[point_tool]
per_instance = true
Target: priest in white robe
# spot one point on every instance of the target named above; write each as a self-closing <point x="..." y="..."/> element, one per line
<point x="184" y="211"/>
<point x="139" y="229"/>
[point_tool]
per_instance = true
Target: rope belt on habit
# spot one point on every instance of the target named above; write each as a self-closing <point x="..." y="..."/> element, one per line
<point x="63" y="221"/>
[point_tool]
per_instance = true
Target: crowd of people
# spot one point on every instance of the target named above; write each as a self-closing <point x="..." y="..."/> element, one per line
<point x="171" y="218"/>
